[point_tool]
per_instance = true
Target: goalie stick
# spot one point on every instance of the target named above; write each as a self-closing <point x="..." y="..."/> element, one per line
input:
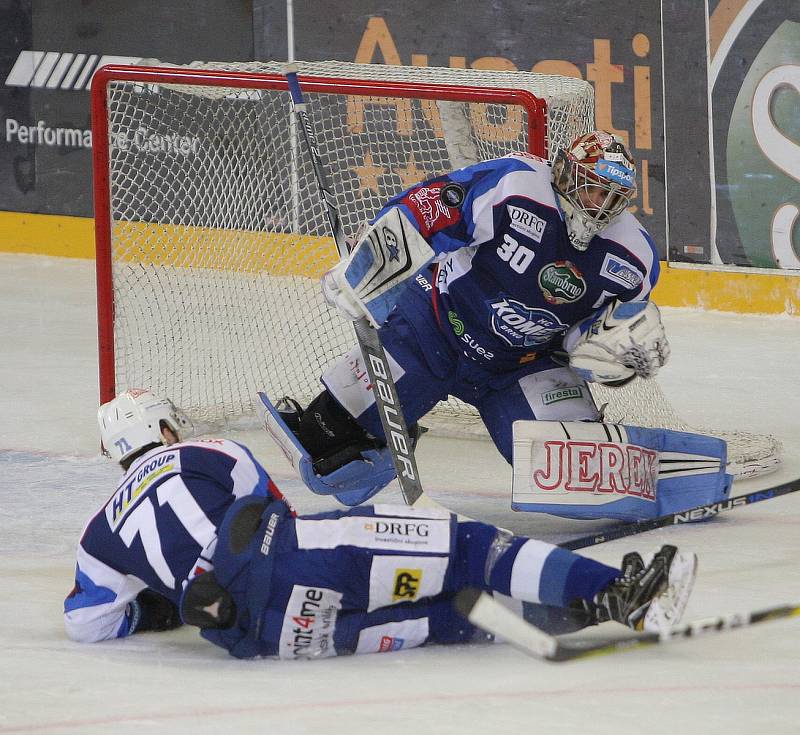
<point x="380" y="376"/>
<point x="490" y="615"/>
<point x="699" y="513"/>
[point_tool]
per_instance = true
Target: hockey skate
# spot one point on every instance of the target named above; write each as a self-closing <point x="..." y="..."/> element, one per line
<point x="649" y="596"/>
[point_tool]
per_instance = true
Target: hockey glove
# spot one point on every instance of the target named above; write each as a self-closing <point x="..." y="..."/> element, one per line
<point x="368" y="281"/>
<point x="151" y="611"/>
<point x="618" y="342"/>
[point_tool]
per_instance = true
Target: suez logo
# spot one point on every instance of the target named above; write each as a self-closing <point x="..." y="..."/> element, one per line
<point x="57" y="70"/>
<point x="597" y="467"/>
<point x="466" y="338"/>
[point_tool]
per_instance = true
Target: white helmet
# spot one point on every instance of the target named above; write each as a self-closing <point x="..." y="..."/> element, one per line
<point x="596" y="180"/>
<point x="134" y="419"/>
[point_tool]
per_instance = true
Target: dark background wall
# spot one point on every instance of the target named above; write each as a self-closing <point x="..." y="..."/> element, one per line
<point x="730" y="190"/>
<point x="37" y="174"/>
<point x="617" y="50"/>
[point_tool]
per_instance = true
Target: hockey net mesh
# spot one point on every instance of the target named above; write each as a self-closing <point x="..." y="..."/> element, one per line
<point x="218" y="236"/>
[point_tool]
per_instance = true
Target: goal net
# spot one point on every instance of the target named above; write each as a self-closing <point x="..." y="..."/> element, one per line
<point x="211" y="237"/>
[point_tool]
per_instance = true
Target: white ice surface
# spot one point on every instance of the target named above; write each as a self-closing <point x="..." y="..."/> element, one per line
<point x="726" y="371"/>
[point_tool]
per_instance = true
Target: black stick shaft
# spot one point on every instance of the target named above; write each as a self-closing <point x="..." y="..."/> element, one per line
<point x="698" y="513"/>
<point x="568" y="651"/>
<point x="383" y="387"/>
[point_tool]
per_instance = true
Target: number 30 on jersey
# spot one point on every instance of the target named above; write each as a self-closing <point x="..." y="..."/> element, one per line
<point x="517" y="256"/>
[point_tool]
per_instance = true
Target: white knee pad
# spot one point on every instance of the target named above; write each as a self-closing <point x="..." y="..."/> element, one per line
<point x="559" y="395"/>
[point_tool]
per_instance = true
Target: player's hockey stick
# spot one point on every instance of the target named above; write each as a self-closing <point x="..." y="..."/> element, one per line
<point x="701" y="512"/>
<point x="488" y="614"/>
<point x="380" y="376"/>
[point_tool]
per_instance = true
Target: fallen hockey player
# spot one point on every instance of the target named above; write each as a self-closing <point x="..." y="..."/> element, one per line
<point x="197" y="532"/>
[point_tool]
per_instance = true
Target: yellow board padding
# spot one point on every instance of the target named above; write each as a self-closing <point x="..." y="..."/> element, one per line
<point x="47" y="234"/>
<point x="744" y="293"/>
<point x="279" y="254"/>
<point x="73" y="237"/>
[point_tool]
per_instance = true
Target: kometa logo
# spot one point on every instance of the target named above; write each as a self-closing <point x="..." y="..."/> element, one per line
<point x="523" y="326"/>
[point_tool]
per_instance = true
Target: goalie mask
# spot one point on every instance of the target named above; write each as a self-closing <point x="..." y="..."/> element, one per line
<point x="596" y="180"/>
<point x="135" y="419"/>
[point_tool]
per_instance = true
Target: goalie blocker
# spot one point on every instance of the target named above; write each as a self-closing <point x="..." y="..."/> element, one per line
<point x="369" y="281"/>
<point x="594" y="470"/>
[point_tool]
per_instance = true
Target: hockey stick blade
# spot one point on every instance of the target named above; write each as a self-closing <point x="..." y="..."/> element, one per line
<point x="488" y="614"/>
<point x="691" y="515"/>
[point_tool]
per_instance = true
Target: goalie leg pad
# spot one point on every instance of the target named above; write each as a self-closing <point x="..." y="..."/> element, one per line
<point x="594" y="470"/>
<point x="351" y="484"/>
<point x="692" y="468"/>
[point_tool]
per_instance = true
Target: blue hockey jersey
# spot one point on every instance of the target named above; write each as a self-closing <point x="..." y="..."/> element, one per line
<point x="508" y="282"/>
<point x="157" y="530"/>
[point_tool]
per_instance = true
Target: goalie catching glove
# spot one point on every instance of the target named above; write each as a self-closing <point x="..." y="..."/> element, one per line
<point x="368" y="282"/>
<point x="621" y="340"/>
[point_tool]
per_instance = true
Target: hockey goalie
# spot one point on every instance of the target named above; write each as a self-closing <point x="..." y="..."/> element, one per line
<point x="509" y="284"/>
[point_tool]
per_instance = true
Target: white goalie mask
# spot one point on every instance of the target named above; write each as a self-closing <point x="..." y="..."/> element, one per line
<point x="595" y="179"/>
<point x="135" y="419"/>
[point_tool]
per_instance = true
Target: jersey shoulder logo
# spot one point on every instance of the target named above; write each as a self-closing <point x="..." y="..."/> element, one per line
<point x="619" y="271"/>
<point x="453" y="195"/>
<point x="430" y="210"/>
<point x="561" y="282"/>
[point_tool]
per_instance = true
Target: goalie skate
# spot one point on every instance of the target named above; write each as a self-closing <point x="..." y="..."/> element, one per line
<point x="649" y="596"/>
